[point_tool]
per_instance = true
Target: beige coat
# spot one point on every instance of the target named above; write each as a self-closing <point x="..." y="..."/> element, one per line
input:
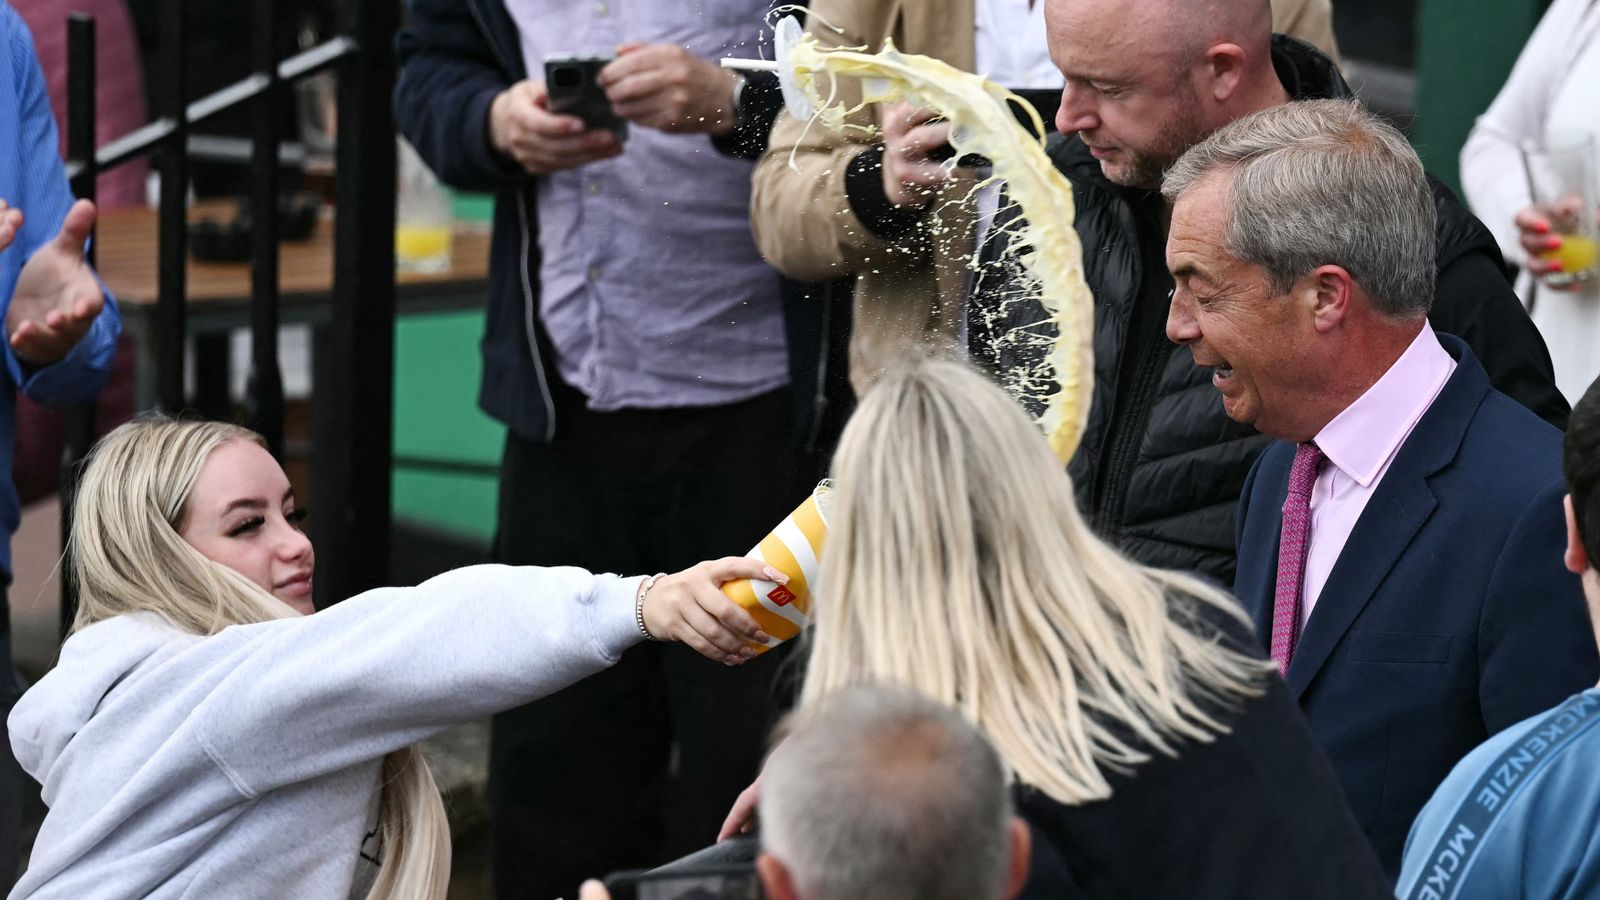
<point x="1310" y="21"/>
<point x="909" y="295"/>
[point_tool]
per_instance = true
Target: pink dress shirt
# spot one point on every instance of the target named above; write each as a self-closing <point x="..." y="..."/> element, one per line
<point x="1360" y="444"/>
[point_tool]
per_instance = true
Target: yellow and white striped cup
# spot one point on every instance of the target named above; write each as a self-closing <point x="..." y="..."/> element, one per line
<point x="793" y="548"/>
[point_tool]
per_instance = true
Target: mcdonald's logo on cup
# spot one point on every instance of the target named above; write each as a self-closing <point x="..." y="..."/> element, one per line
<point x="793" y="548"/>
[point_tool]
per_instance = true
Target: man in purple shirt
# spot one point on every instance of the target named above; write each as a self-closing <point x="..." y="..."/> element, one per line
<point x="1400" y="545"/>
<point x="635" y="348"/>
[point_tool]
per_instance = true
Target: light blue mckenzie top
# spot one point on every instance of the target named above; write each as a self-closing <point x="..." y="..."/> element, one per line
<point x="1519" y="817"/>
<point x="246" y="765"/>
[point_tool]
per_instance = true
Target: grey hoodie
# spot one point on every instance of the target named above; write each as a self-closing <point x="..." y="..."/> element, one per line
<point x="246" y="764"/>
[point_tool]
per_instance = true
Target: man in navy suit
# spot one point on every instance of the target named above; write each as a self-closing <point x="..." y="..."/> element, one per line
<point x="1400" y="546"/>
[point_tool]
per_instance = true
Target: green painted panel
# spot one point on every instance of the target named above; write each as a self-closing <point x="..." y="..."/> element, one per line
<point x="436" y="419"/>
<point x="472" y="207"/>
<point x="437" y="368"/>
<point x="1466" y="50"/>
<point x="463" y="505"/>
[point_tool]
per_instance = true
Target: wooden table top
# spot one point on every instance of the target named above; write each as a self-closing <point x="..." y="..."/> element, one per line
<point x="127" y="260"/>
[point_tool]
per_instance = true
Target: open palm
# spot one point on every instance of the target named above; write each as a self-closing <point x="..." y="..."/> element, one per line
<point x="57" y="296"/>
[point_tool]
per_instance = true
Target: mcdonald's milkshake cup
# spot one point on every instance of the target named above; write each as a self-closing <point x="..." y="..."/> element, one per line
<point x="793" y="548"/>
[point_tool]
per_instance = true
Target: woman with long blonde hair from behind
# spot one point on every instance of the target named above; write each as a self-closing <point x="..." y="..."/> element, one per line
<point x="1156" y="753"/>
<point x="203" y="736"/>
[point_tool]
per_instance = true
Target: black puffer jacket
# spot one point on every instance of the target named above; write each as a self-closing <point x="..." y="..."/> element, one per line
<point x="1161" y="465"/>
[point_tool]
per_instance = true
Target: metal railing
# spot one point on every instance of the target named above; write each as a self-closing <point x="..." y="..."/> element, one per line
<point x="352" y="405"/>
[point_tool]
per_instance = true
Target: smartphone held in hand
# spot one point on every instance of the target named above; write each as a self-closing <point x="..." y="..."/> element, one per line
<point x="573" y="83"/>
<point x="711" y="882"/>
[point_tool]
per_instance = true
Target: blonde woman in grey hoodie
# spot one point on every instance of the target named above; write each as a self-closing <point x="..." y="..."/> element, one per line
<point x="203" y="737"/>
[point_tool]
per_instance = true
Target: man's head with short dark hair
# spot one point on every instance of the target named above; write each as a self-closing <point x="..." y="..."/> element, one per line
<point x="1581" y="464"/>
<point x="882" y="793"/>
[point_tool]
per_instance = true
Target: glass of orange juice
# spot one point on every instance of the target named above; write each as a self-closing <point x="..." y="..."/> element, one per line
<point x="1564" y="182"/>
<point x="424" y="222"/>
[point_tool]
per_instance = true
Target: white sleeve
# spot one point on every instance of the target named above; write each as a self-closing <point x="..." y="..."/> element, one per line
<point x="1492" y="175"/>
<point x="303" y="697"/>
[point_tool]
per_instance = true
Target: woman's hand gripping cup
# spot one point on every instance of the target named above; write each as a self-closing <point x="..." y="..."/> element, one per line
<point x="691" y="608"/>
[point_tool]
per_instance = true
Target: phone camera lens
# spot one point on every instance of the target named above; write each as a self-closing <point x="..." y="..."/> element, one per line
<point x="567" y="77"/>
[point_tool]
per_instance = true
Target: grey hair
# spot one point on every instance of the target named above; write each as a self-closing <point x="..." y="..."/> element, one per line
<point x="1319" y="182"/>
<point x="881" y="792"/>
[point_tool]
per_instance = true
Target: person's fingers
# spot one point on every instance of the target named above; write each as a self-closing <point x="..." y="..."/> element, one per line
<point x="706" y="625"/>
<point x="568" y="153"/>
<point x="924" y="174"/>
<point x="10" y="224"/>
<point x="1536" y="243"/>
<point x="579" y="145"/>
<point x="1531" y="219"/>
<point x="88" y="307"/>
<point x="598" y="150"/>
<point x="732" y="615"/>
<point x="76" y="227"/>
<point x="593" y="890"/>
<point x="915" y="145"/>
<point x="532" y="122"/>
<point x="694" y="641"/>
<point x="75" y="323"/>
<point x="641" y="58"/>
<point x="900" y="118"/>
<point x="742" y="816"/>
<point x="636" y="88"/>
<point x="730" y="568"/>
<point x="38" y="342"/>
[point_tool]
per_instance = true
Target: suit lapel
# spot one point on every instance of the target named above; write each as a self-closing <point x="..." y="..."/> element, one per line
<point x="1266" y="573"/>
<point x="1386" y="528"/>
<point x="1397" y="511"/>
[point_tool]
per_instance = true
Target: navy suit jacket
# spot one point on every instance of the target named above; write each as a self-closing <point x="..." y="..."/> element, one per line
<point x="1449" y="614"/>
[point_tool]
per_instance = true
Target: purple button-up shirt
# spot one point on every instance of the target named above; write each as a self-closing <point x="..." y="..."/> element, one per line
<point x="652" y="289"/>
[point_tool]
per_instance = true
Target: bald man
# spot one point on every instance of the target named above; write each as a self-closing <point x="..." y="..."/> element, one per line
<point x="1161" y="466"/>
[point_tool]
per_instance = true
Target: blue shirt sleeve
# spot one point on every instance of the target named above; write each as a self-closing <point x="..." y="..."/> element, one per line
<point x="33" y="180"/>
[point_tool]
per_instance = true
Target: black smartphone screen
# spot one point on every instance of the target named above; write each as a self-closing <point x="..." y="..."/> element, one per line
<point x="573" y="83"/>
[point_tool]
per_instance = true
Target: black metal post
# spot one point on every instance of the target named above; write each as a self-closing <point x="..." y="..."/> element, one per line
<point x="174" y="214"/>
<point x="81" y="114"/>
<point x="266" y="378"/>
<point x="354" y="407"/>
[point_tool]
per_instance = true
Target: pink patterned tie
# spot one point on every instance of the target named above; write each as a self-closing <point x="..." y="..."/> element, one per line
<point x="1292" y="544"/>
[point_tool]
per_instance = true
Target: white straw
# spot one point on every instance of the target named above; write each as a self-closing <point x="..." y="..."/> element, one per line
<point x="751" y="65"/>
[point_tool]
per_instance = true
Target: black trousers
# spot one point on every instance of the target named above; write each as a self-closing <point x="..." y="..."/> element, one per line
<point x="638" y="764"/>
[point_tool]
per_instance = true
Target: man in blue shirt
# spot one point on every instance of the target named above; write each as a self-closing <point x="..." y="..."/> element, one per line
<point x="1520" y="815"/>
<point x="61" y="326"/>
